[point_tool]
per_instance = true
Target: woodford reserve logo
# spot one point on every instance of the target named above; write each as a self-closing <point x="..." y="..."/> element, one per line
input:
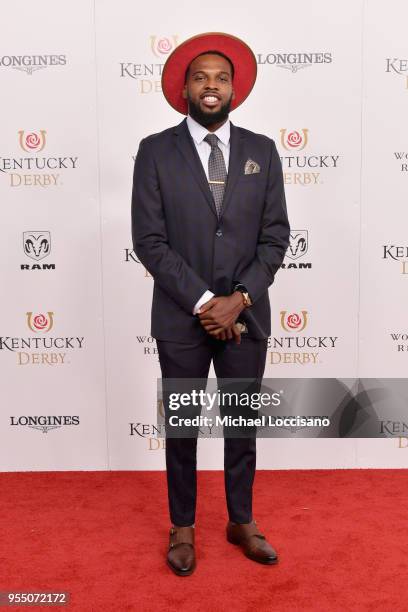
<point x="400" y="341"/>
<point x="41" y="349"/>
<point x="148" y="346"/>
<point x="33" y="169"/>
<point x="401" y="157"/>
<point x="293" y="348"/>
<point x="305" y="169"/>
<point x="148" y="75"/>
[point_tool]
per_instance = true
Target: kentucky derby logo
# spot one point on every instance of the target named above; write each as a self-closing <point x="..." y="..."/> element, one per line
<point x="33" y="170"/>
<point x="397" y="252"/>
<point x="163" y="46"/>
<point x="303" y="168"/>
<point x="40" y="322"/>
<point x="297" y="349"/>
<point x="42" y="348"/>
<point x="144" y="71"/>
<point x="294" y="140"/>
<point x="37" y="245"/>
<point x="298" y="244"/>
<point x="32" y="142"/>
<point x="398" y="66"/>
<point x="294" y="321"/>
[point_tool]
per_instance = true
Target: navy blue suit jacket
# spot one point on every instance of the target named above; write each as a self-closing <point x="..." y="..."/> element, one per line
<point x="187" y="249"/>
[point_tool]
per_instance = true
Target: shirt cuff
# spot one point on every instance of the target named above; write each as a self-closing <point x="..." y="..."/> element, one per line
<point x="207" y="295"/>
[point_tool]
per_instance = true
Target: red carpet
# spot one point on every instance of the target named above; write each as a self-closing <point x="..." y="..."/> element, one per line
<point x="342" y="538"/>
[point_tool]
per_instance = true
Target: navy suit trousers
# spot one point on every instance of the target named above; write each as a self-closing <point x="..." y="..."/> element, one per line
<point x="193" y="360"/>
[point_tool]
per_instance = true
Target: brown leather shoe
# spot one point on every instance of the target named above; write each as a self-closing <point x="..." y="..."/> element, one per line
<point x="181" y="554"/>
<point x="252" y="542"/>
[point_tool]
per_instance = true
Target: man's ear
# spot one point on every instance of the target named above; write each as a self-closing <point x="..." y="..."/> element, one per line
<point x="233" y="95"/>
<point x="184" y="92"/>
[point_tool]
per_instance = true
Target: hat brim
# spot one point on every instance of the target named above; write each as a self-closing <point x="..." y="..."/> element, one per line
<point x="242" y="57"/>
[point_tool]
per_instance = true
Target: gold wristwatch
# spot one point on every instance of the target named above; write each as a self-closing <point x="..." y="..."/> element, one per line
<point x="242" y="289"/>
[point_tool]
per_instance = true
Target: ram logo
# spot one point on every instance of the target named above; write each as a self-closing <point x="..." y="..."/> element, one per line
<point x="298" y="244"/>
<point x="37" y="245"/>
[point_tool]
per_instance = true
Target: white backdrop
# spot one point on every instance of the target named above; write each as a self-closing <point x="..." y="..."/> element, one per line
<point x="80" y="85"/>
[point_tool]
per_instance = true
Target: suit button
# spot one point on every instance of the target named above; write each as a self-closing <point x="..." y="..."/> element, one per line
<point x="218" y="233"/>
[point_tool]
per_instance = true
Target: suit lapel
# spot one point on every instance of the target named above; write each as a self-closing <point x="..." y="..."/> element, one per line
<point x="186" y="146"/>
<point x="236" y="164"/>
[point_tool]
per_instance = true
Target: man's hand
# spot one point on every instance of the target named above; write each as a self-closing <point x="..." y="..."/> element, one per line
<point x="220" y="313"/>
<point x="229" y="333"/>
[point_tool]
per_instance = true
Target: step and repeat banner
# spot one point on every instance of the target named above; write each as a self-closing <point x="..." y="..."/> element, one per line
<point x="80" y="85"/>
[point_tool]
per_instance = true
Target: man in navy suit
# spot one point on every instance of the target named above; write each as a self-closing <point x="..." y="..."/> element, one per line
<point x="209" y="223"/>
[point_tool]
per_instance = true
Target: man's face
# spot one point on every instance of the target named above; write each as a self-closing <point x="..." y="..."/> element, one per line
<point x="208" y="89"/>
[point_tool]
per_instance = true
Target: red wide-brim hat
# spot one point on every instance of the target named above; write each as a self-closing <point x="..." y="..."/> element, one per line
<point x="242" y="57"/>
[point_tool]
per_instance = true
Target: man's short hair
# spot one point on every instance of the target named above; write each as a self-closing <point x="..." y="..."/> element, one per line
<point x="210" y="52"/>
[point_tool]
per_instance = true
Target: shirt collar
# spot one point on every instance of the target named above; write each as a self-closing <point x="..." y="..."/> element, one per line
<point x="199" y="132"/>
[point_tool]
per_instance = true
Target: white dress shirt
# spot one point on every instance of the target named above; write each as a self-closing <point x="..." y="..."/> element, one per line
<point x="198" y="133"/>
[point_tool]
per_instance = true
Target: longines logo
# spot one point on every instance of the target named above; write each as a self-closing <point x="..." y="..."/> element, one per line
<point x="294" y="61"/>
<point x="397" y="253"/>
<point x="33" y="170"/>
<point x="303" y="169"/>
<point x="148" y="344"/>
<point x="37" y="246"/>
<point x="32" y="63"/>
<point x="41" y="349"/>
<point x="398" y="66"/>
<point x="400" y="341"/>
<point x="284" y="347"/>
<point x="148" y="75"/>
<point x="298" y="247"/>
<point x="402" y="159"/>
<point x="130" y="255"/>
<point x="44" y="423"/>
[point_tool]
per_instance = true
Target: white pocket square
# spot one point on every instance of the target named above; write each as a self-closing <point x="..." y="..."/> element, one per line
<point x="251" y="167"/>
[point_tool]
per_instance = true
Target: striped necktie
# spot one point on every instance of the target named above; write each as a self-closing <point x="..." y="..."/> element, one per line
<point x="217" y="172"/>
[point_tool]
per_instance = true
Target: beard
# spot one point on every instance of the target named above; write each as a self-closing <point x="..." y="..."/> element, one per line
<point x="205" y="118"/>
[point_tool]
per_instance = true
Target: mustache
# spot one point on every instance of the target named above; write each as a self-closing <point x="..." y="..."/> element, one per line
<point x="205" y="118"/>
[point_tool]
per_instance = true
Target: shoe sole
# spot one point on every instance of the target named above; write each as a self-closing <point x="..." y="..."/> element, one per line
<point x="179" y="572"/>
<point x="266" y="562"/>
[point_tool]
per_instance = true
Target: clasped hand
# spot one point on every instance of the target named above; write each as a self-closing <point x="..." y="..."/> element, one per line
<point x="219" y="314"/>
